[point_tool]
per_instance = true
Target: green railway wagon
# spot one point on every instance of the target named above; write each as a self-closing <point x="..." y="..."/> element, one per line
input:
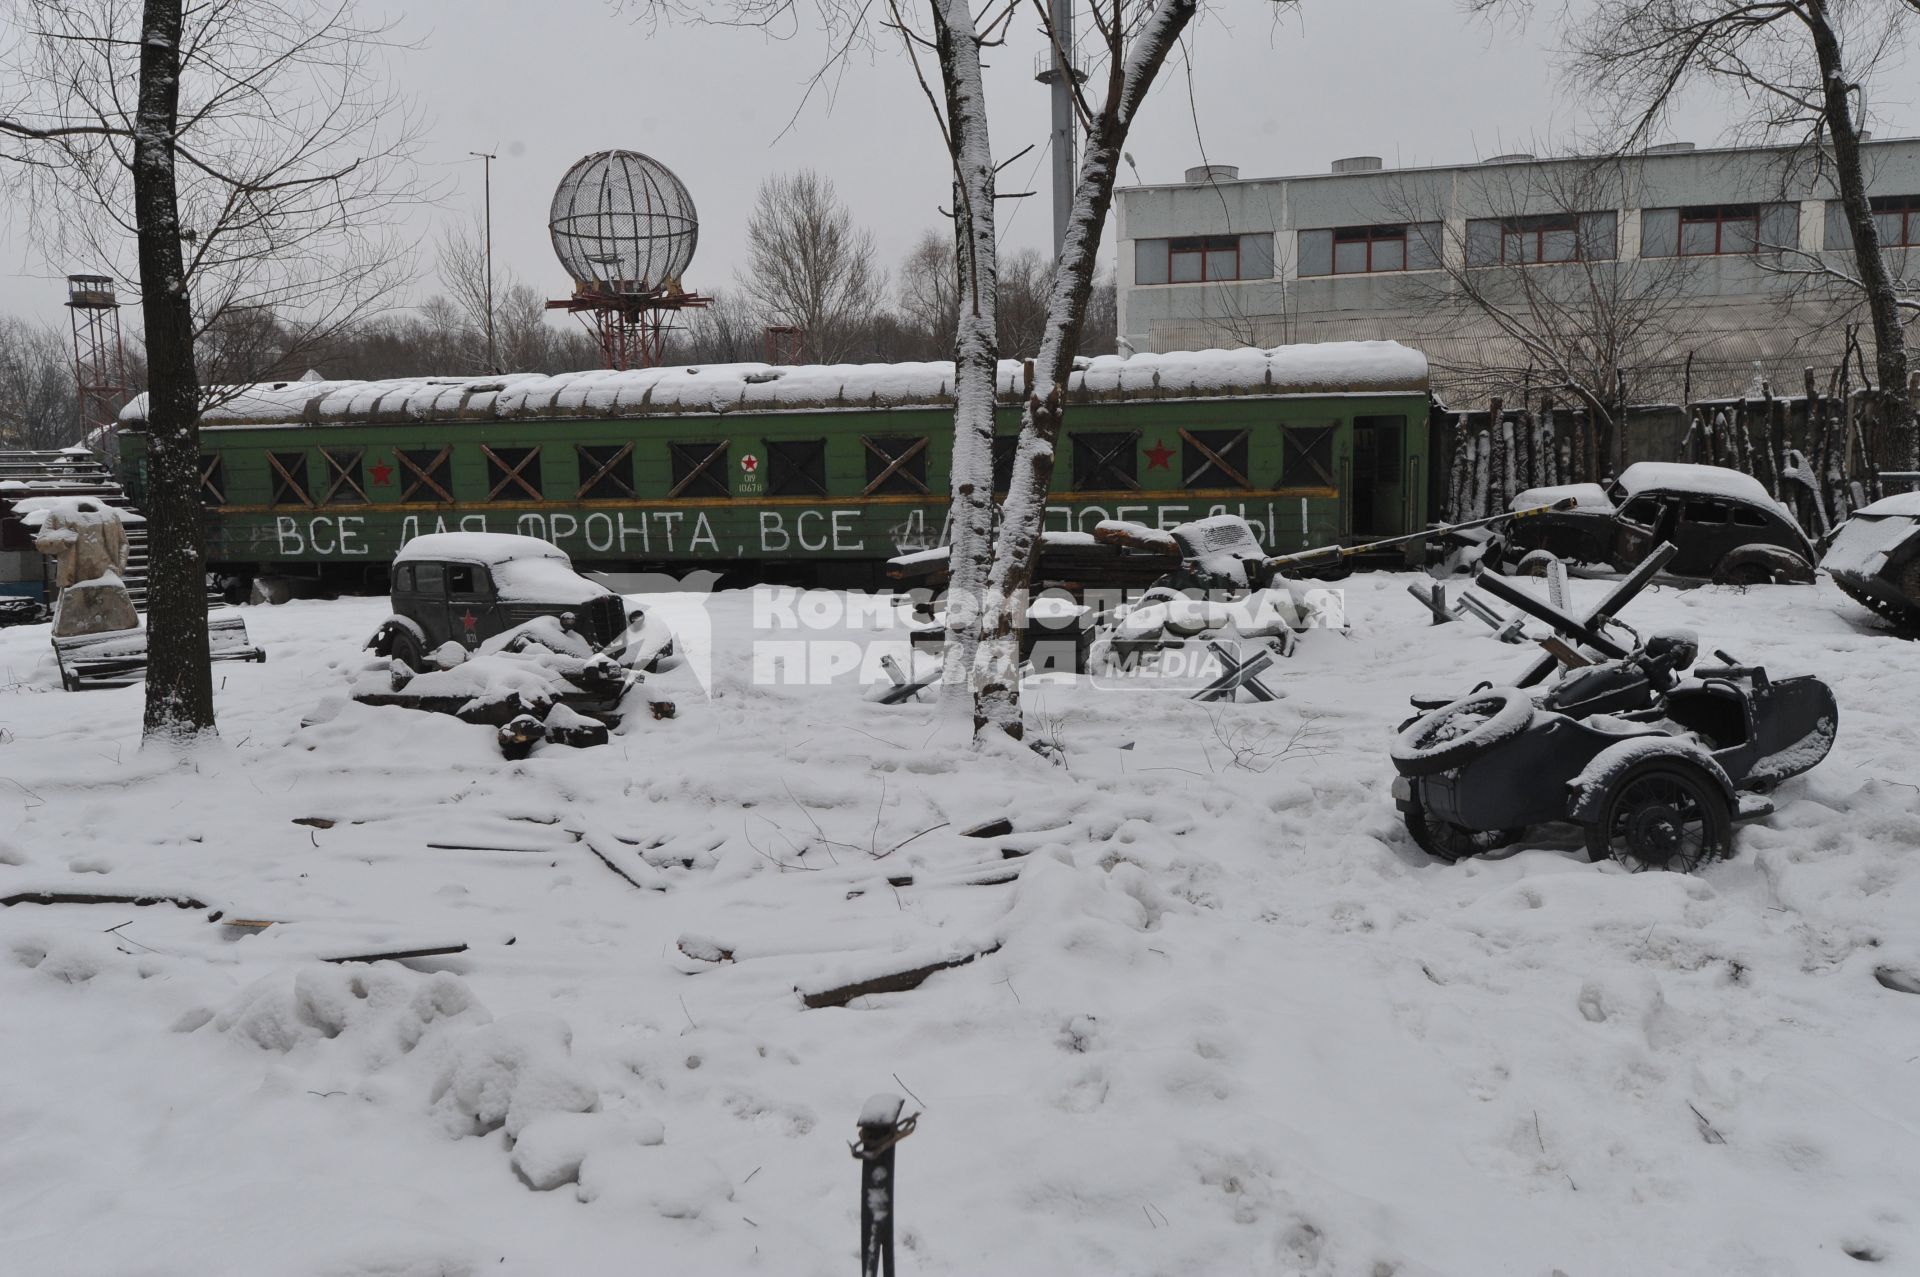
<point x="817" y="472"/>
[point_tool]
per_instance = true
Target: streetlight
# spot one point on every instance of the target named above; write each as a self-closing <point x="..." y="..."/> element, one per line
<point x="487" y="158"/>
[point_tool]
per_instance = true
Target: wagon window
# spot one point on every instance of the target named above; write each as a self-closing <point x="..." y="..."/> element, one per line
<point x="606" y="471"/>
<point x="213" y="480"/>
<point x="343" y="476"/>
<point x="1749" y="518"/>
<point x="895" y="463"/>
<point x="1106" y="460"/>
<point x="289" y="473"/>
<point x="1005" y="447"/>
<point x="699" y="469"/>
<point x="1641" y="510"/>
<point x="513" y="474"/>
<point x="1213" y="459"/>
<point x="426" y="475"/>
<point x="1307" y="457"/>
<point x="1706" y="512"/>
<point x="797" y="467"/>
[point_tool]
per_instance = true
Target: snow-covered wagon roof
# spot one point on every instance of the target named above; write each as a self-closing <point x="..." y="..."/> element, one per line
<point x="1342" y="367"/>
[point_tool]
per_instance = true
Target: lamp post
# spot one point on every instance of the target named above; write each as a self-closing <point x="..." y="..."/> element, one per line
<point x="487" y="158"/>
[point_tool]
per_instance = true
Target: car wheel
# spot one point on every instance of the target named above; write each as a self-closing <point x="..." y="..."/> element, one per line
<point x="1444" y="840"/>
<point x="404" y="646"/>
<point x="1662" y="815"/>
<point x="1747" y="574"/>
<point x="1456" y="734"/>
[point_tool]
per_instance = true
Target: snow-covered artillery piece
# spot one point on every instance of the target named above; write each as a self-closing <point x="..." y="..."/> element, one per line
<point x="1654" y="766"/>
<point x="1875" y="558"/>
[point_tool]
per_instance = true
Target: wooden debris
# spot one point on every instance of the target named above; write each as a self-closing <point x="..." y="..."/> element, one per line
<point x="97" y="898"/>
<point x="396" y="955"/>
<point x="991" y="829"/>
<point x="316" y="822"/>
<point x="891" y="982"/>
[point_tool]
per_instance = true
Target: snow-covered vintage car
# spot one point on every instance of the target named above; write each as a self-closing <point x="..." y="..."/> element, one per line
<point x="1655" y="767"/>
<point x="467" y="587"/>
<point x="1875" y="558"/>
<point x="1725" y="524"/>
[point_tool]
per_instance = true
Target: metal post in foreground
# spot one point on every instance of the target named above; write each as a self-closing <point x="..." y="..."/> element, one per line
<point x="881" y="1127"/>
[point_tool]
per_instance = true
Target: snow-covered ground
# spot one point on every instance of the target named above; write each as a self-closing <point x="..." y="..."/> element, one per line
<point x="1236" y="1023"/>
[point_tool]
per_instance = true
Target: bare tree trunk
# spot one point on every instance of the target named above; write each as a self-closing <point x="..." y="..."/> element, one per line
<point x="179" y="673"/>
<point x="1889" y="339"/>
<point x="976" y="348"/>
<point x="997" y="680"/>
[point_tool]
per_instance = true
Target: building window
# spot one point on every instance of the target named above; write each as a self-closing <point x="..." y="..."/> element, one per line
<point x="1198" y="259"/>
<point x="1106" y="461"/>
<point x="895" y="464"/>
<point x="1370" y="250"/>
<point x="1306" y="457"/>
<point x="1896" y="217"/>
<point x="513" y="474"/>
<point x="424" y="475"/>
<point x="213" y="480"/>
<point x="1718" y="230"/>
<point x="699" y="469"/>
<point x="606" y="471"/>
<point x="797" y="467"/>
<point x="289" y="473"/>
<point x="1213" y="459"/>
<point x="343" y="476"/>
<point x="1532" y="241"/>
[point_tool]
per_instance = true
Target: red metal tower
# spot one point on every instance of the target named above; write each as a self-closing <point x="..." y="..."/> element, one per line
<point x="631" y="327"/>
<point x="99" y="362"/>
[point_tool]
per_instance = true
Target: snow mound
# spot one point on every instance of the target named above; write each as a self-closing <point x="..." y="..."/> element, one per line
<point x="551" y="1148"/>
<point x="382" y="1012"/>
<point x="506" y="1074"/>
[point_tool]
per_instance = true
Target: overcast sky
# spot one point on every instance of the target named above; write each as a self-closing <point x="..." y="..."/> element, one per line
<point x="542" y="84"/>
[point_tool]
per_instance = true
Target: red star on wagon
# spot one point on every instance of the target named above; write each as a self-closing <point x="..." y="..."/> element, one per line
<point x="381" y="472"/>
<point x="749" y="463"/>
<point x="1159" y="455"/>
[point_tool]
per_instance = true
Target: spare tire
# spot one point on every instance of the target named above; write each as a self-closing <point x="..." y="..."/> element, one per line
<point x="1456" y="734"/>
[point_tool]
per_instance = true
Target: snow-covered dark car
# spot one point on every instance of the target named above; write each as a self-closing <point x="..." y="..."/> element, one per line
<point x="1725" y="524"/>
<point x="1875" y="558"/>
<point x="467" y="587"/>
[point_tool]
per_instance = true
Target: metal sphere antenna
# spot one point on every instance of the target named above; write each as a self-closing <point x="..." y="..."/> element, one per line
<point x="625" y="228"/>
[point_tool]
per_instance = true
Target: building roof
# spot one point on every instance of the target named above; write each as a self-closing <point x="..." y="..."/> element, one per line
<point x="1343" y="367"/>
<point x="1491" y="162"/>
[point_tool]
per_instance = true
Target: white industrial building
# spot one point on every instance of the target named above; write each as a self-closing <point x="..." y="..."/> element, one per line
<point x="1699" y="265"/>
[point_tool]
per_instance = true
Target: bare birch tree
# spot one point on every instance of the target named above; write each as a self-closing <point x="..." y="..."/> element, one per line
<point x="1135" y="41"/>
<point x="228" y="157"/>
<point x="1801" y="66"/>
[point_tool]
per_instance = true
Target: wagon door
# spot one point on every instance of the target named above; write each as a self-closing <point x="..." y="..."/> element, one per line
<point x="1379" y="477"/>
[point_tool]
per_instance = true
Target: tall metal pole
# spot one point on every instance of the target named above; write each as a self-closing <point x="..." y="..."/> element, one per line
<point x="1059" y="73"/>
<point x="487" y="159"/>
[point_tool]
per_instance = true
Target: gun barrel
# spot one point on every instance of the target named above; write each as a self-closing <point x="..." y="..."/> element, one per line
<point x="1334" y="553"/>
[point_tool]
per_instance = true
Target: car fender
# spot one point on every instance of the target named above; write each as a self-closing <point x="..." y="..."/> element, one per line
<point x="1587" y="792"/>
<point x="382" y="639"/>
<point x="1777" y="559"/>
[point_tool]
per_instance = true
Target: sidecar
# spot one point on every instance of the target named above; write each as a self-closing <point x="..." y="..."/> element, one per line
<point x="1657" y="787"/>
